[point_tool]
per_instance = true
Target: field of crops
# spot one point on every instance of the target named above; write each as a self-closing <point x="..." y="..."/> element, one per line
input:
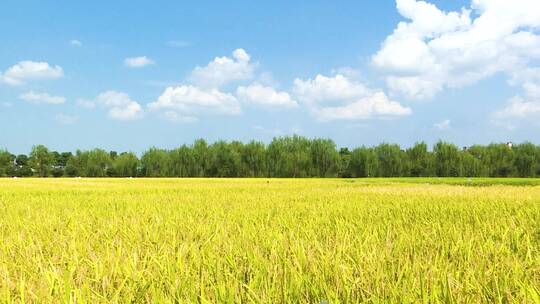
<point x="269" y="241"/>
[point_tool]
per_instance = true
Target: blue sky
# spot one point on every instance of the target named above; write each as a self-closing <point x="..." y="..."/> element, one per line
<point x="128" y="75"/>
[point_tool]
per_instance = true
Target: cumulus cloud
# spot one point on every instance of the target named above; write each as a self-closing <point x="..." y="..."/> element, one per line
<point x="340" y="98"/>
<point x="42" y="98"/>
<point x="224" y="70"/>
<point x="85" y="103"/>
<point x="173" y="116"/>
<point x="25" y="71"/>
<point x="519" y="109"/>
<point x="435" y="50"/>
<point x="376" y="105"/>
<point x="443" y="125"/>
<point x="75" y="42"/>
<point x="185" y="103"/>
<point x="324" y="89"/>
<point x="120" y="106"/>
<point x="138" y="62"/>
<point x="257" y="94"/>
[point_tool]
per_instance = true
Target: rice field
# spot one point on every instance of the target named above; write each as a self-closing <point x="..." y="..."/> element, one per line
<point x="269" y="241"/>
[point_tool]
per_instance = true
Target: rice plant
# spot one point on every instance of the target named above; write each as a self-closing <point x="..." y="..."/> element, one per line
<point x="268" y="241"/>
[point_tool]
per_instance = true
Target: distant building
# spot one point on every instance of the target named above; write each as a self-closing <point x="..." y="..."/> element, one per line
<point x="510" y="144"/>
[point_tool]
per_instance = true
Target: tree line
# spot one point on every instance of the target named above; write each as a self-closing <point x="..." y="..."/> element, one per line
<point x="292" y="156"/>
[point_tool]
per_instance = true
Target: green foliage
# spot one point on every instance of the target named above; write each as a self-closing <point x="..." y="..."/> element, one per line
<point x="41" y="160"/>
<point x="364" y="162"/>
<point x="420" y="160"/>
<point x="391" y="160"/>
<point x="345" y="160"/>
<point x="289" y="156"/>
<point x="155" y="163"/>
<point x="97" y="163"/>
<point x="201" y="154"/>
<point x="6" y="162"/>
<point x="325" y="160"/>
<point x="447" y="160"/>
<point x="254" y="159"/>
<point x="182" y="162"/>
<point x="526" y="159"/>
<point x="501" y="160"/>
<point x="126" y="164"/>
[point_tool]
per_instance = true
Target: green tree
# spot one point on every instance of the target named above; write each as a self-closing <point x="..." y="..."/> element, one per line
<point x="501" y="160"/>
<point x="420" y="160"/>
<point x="155" y="163"/>
<point x="391" y="160"/>
<point x="182" y="162"/>
<point x="98" y="163"/>
<point x="226" y="159"/>
<point x="41" y="160"/>
<point x="76" y="165"/>
<point x="126" y="164"/>
<point x="254" y="159"/>
<point x="22" y="168"/>
<point x="481" y="156"/>
<point x="325" y="160"/>
<point x="364" y="163"/>
<point x="6" y="162"/>
<point x="471" y="166"/>
<point x="345" y="159"/>
<point x="448" y="160"/>
<point x="201" y="153"/>
<point x="526" y="159"/>
<point x="289" y="157"/>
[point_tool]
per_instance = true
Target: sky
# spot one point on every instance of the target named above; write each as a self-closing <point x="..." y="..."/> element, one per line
<point x="129" y="75"/>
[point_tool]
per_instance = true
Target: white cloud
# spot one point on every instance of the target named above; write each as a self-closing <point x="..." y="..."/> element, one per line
<point x="525" y="75"/>
<point x="138" y="62"/>
<point x="185" y="103"/>
<point x="38" y="98"/>
<point x="376" y="105"/>
<point x="340" y="98"/>
<point x="267" y="79"/>
<point x="258" y="94"/>
<point x="66" y="119"/>
<point x="224" y="70"/>
<point x="85" y="103"/>
<point x="435" y="50"/>
<point x="521" y="109"/>
<point x="119" y="105"/>
<point x="328" y="90"/>
<point x="31" y="70"/>
<point x="348" y="72"/>
<point x="75" y="42"/>
<point x="178" y="118"/>
<point x="443" y="125"/>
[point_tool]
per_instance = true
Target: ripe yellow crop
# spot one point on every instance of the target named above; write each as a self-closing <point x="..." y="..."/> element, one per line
<point x="267" y="241"/>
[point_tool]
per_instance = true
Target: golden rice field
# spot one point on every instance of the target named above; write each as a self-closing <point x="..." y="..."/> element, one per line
<point x="268" y="241"/>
